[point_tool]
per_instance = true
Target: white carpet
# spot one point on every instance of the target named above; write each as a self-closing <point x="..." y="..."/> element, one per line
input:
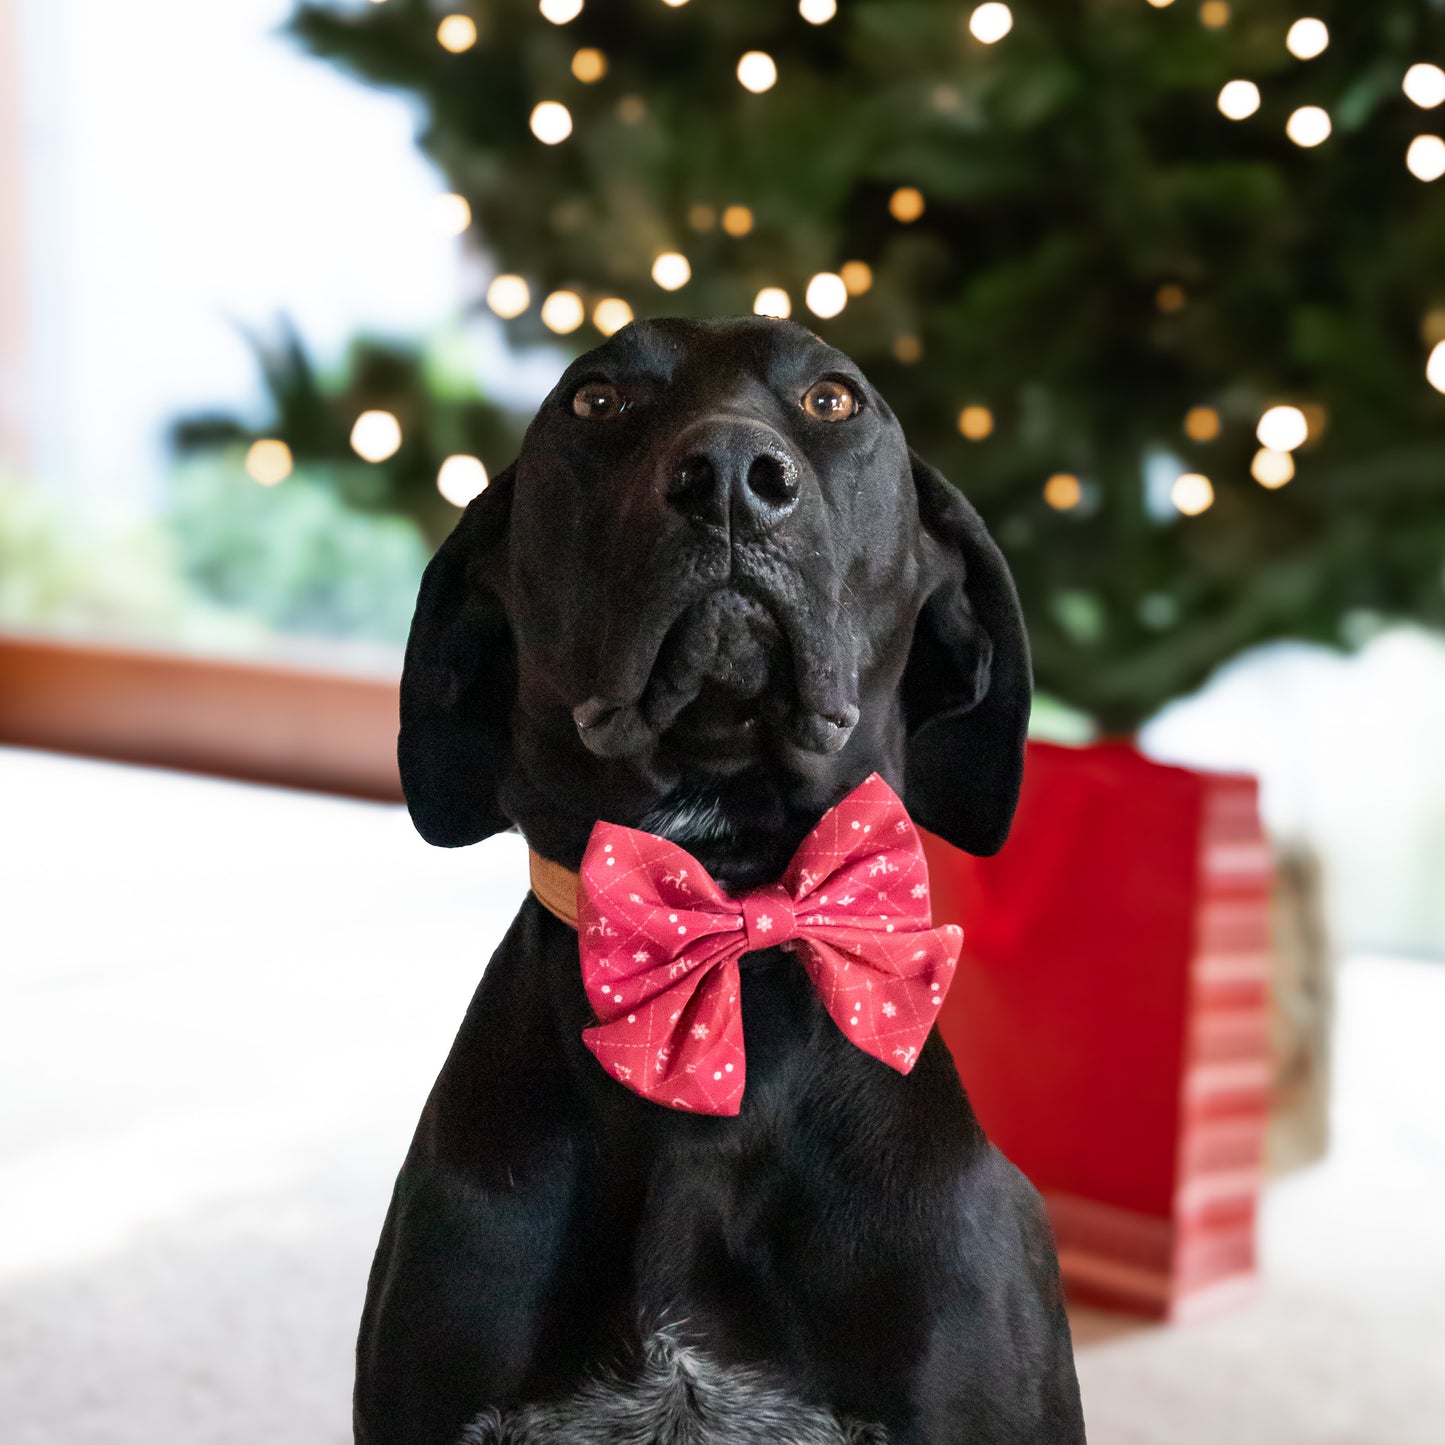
<point x="223" y="1006"/>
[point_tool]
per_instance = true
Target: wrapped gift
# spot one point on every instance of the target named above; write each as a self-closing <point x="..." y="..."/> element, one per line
<point x="1109" y="1017"/>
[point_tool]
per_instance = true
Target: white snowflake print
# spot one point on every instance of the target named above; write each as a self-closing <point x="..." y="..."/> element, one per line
<point x="635" y="897"/>
<point x="622" y="1071"/>
<point x="889" y="1010"/>
<point x="907" y="1055"/>
<point x="764" y="923"/>
<point x="642" y="956"/>
<point x="920" y="955"/>
<point x="919" y="890"/>
<point x="700" y="1031"/>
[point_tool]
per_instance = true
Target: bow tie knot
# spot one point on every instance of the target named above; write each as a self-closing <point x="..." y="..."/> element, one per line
<point x="660" y="943"/>
<point x="768" y="917"/>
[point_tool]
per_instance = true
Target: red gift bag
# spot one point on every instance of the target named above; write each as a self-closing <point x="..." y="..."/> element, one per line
<point x="1109" y="1022"/>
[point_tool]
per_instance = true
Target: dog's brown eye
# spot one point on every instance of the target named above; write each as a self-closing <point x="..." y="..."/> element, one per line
<point x="597" y="401"/>
<point x="830" y="401"/>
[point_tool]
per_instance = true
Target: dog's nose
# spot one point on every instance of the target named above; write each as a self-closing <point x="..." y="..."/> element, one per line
<point x="732" y="473"/>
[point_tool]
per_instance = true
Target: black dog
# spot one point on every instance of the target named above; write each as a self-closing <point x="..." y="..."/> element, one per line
<point x="715" y="592"/>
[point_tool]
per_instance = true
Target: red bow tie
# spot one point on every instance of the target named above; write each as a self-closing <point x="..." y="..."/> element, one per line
<point x="660" y="943"/>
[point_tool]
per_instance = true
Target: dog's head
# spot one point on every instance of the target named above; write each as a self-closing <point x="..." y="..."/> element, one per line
<point x="715" y="591"/>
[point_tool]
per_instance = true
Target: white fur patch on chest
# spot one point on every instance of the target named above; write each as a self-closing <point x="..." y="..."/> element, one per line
<point x="674" y="1396"/>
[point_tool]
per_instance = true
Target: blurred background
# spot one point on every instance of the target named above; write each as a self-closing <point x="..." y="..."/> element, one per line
<point x="1160" y="285"/>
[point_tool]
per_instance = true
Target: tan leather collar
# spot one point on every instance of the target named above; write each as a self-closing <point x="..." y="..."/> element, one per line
<point x="555" y="887"/>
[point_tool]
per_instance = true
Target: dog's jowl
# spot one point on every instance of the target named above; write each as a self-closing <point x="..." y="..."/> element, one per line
<point x="698" y="1169"/>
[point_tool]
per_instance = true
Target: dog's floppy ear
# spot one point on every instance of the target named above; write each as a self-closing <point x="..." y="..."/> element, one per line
<point x="459" y="682"/>
<point x="967" y="686"/>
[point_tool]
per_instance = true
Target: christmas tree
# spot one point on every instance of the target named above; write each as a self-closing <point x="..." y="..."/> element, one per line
<point x="1160" y="285"/>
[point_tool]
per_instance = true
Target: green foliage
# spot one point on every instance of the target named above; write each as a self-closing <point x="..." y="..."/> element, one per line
<point x="440" y="412"/>
<point x="1070" y="172"/>
<point x="296" y="556"/>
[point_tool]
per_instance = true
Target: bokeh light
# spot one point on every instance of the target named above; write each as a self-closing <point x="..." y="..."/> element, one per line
<point x="817" y="12"/>
<point x="376" y="436"/>
<point x="826" y="294"/>
<point x="1063" y="491"/>
<point x="1309" y="126"/>
<point x="1435" y="367"/>
<point x="1425" y="85"/>
<point x="907" y="349"/>
<point x="1282" y="428"/>
<point x="1425" y="159"/>
<point x="457" y="33"/>
<point x="508" y="296"/>
<point x="1271" y="468"/>
<point x="1307" y="38"/>
<point x="1239" y="99"/>
<point x="857" y="276"/>
<point x="461" y="478"/>
<point x="990" y="23"/>
<point x="1192" y="494"/>
<point x="906" y="204"/>
<point x="975" y="423"/>
<point x="1201" y="424"/>
<point x="452" y="214"/>
<point x="737" y="220"/>
<point x="563" y="312"/>
<point x="757" y="72"/>
<point x="671" y="270"/>
<point x="551" y="122"/>
<point x="269" y="461"/>
<point x="1214" y="14"/>
<point x="589" y="65"/>
<point x="560" y="12"/>
<point x="772" y="301"/>
<point x="611" y="314"/>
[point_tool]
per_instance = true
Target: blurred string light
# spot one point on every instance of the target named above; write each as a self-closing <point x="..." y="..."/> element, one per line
<point x="1170" y="298"/>
<point x="611" y="314"/>
<point x="772" y="301"/>
<point x="1425" y="85"/>
<point x="1201" y="424"/>
<point x="975" y="423"/>
<point x="671" y="270"/>
<point x="551" y="122"/>
<point x="757" y="72"/>
<point x="508" y="296"/>
<point x="702" y="217"/>
<point x="560" y="12"/>
<point x="563" y="312"/>
<point x="632" y="110"/>
<point x="906" y="204"/>
<point x="817" y="12"/>
<point x="376" y="436"/>
<point x="737" y="220"/>
<point x="452" y="214"/>
<point x="1063" y="491"/>
<point x="1161" y="4"/>
<point x="268" y="461"/>
<point x="589" y="65"/>
<point x="1435" y="367"/>
<point x="1308" y="126"/>
<point x="461" y="478"/>
<point x="1239" y="99"/>
<point x="826" y="294"/>
<point x="1307" y="39"/>
<point x="990" y="23"/>
<point x="1282" y="428"/>
<point x="1214" y="14"/>
<point x="1432" y="326"/>
<point x="907" y="349"/>
<point x="857" y="276"/>
<point x="1192" y="494"/>
<point x="1426" y="158"/>
<point x="674" y="4"/>
<point x="457" y="33"/>
<point x="1271" y="468"/>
